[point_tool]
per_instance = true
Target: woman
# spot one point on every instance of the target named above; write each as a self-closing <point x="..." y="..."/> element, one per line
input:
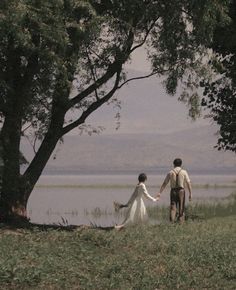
<point x="137" y="212"/>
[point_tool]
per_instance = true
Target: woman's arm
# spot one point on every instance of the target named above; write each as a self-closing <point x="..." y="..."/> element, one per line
<point x="146" y="194"/>
<point x="132" y="198"/>
<point x="118" y="206"/>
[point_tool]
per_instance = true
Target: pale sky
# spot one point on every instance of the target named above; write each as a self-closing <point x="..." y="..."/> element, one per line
<point x="145" y="106"/>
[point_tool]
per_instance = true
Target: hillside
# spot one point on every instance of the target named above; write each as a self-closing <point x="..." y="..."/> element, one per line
<point x="154" y="130"/>
<point x="140" y="152"/>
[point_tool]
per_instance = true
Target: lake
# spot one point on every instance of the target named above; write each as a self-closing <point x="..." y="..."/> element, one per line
<point x="88" y="199"/>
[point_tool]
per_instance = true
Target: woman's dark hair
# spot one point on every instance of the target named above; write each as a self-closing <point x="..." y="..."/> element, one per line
<point x="142" y="177"/>
<point x="177" y="162"/>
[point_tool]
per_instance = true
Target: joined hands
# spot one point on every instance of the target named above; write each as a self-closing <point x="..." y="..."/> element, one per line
<point x="158" y="196"/>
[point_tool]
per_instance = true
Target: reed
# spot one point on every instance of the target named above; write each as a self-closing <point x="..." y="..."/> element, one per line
<point x="200" y="210"/>
<point x="196" y="210"/>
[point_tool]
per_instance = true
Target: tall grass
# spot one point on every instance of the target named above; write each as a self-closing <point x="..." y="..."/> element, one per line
<point x="198" y="210"/>
<point x="201" y="210"/>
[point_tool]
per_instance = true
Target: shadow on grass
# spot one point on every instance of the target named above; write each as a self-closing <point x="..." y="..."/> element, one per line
<point x="24" y="224"/>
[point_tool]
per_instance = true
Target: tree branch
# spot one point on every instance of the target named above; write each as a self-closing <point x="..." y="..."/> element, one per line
<point x="94" y="106"/>
<point x="27" y="127"/>
<point x="146" y="36"/>
<point x="92" y="72"/>
<point x="139" y="78"/>
<point x="105" y="60"/>
<point x="111" y="71"/>
<point x="2" y="104"/>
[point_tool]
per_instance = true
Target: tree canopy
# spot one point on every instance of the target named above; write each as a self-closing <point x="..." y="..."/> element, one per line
<point x="60" y="60"/>
<point x="220" y="94"/>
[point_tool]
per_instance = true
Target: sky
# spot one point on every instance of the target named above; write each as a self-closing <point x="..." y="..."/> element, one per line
<point x="145" y="106"/>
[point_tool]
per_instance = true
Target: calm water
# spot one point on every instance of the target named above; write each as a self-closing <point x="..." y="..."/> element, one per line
<point x="81" y="199"/>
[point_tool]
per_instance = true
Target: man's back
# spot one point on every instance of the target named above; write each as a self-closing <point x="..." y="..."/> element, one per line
<point x="178" y="177"/>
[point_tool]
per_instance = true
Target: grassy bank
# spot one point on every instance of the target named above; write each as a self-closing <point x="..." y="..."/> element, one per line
<point x="203" y="210"/>
<point x="199" y="254"/>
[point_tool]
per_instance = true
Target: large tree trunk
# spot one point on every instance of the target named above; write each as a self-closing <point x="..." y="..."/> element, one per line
<point x="39" y="162"/>
<point x="11" y="200"/>
<point x="54" y="133"/>
<point x="45" y="150"/>
<point x="16" y="188"/>
<point x="1" y="164"/>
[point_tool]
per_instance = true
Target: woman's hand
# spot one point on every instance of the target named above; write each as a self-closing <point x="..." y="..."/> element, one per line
<point x="158" y="196"/>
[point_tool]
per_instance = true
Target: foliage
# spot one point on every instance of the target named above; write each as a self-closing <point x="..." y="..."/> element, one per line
<point x="220" y="94"/>
<point x="39" y="41"/>
<point x="39" y="49"/>
<point x="61" y="60"/>
<point x="64" y="46"/>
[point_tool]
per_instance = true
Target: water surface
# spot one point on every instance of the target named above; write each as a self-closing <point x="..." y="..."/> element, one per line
<point x="86" y="199"/>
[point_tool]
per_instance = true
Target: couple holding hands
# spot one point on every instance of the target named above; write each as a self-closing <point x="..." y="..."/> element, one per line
<point x="137" y="213"/>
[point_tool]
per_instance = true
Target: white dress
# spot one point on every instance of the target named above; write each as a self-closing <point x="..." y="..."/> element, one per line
<point x="137" y="212"/>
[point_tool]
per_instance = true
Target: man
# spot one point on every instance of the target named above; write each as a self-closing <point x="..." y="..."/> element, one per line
<point x="178" y="179"/>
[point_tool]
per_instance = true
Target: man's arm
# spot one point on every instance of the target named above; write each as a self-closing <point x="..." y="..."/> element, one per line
<point x="164" y="184"/>
<point x="188" y="183"/>
<point x="189" y="190"/>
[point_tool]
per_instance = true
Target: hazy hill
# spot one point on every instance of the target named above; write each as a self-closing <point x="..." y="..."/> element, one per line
<point x="154" y="130"/>
<point x="140" y="152"/>
<point x="145" y="107"/>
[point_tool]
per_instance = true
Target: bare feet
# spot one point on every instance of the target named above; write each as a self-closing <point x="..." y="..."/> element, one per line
<point x="118" y="227"/>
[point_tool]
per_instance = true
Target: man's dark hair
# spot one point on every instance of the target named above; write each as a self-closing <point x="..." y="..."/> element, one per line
<point x="177" y="162"/>
<point x="142" y="177"/>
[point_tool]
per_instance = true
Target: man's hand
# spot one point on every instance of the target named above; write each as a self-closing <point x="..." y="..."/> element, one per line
<point x="190" y="198"/>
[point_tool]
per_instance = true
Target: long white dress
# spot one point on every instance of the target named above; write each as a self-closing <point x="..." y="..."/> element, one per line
<point x="137" y="212"/>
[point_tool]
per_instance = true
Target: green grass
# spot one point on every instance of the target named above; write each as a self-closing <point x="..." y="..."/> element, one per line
<point x="200" y="210"/>
<point x="196" y="210"/>
<point x="200" y="254"/>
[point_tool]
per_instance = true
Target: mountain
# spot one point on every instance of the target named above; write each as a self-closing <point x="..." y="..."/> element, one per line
<point x="147" y="152"/>
<point x="145" y="108"/>
<point x="154" y="130"/>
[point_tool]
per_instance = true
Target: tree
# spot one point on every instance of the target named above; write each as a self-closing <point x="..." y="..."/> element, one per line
<point x="64" y="58"/>
<point x="220" y="94"/>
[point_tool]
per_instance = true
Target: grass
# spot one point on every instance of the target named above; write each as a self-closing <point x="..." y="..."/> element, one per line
<point x="220" y="207"/>
<point x="196" y="210"/>
<point x="200" y="254"/>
